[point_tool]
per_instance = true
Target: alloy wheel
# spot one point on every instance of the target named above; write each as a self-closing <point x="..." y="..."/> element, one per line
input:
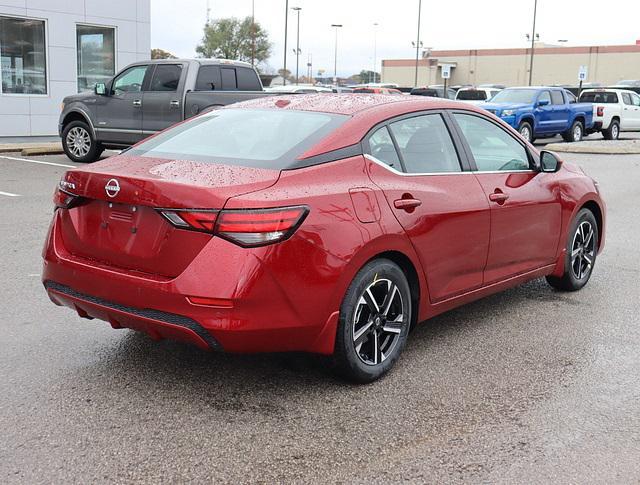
<point x="615" y="132"/>
<point x="378" y="321"/>
<point x="526" y="133"/>
<point x="583" y="250"/>
<point x="78" y="141"/>
<point x="577" y="132"/>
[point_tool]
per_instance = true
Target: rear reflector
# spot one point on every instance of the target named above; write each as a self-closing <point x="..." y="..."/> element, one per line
<point x="246" y="228"/>
<point x="211" y="302"/>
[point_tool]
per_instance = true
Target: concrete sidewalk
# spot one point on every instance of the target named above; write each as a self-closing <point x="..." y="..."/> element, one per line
<point x="25" y="149"/>
<point x="629" y="144"/>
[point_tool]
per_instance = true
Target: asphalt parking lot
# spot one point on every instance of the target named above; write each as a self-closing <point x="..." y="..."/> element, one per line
<point x="528" y="386"/>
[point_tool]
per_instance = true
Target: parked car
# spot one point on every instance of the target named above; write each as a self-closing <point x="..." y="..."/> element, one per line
<point x="538" y="112"/>
<point x="434" y="92"/>
<point x="630" y="83"/>
<point x="476" y="95"/>
<point x="307" y="223"/>
<point x="298" y="89"/>
<point x="147" y="97"/>
<point x="614" y="110"/>
<point x="376" y="90"/>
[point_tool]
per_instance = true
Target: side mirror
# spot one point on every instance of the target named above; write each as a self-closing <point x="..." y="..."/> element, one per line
<point x="100" y="89"/>
<point x="543" y="102"/>
<point x="549" y="162"/>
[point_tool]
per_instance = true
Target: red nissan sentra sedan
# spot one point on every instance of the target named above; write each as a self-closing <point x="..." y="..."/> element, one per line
<point x="321" y="223"/>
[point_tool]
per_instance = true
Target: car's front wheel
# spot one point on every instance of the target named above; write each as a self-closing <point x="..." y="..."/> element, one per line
<point x="375" y="318"/>
<point x="526" y="131"/>
<point x="79" y="144"/>
<point x="580" y="258"/>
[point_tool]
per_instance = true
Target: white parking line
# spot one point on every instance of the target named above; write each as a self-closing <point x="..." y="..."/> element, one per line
<point x="29" y="160"/>
<point x="9" y="194"/>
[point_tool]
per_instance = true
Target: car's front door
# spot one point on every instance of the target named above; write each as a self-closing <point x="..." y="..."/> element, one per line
<point x="161" y="101"/>
<point x="560" y="116"/>
<point x="544" y="114"/>
<point x="632" y="110"/>
<point x="442" y="208"/>
<point x="525" y="203"/>
<point x="120" y="113"/>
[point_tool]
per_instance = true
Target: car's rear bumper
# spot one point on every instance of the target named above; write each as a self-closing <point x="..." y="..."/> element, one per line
<point x="252" y="312"/>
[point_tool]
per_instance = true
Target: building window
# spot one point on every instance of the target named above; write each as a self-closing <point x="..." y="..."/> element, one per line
<point x="96" y="55"/>
<point x="22" y="56"/>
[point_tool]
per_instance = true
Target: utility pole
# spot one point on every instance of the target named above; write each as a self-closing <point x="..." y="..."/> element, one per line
<point x="533" y="40"/>
<point x="415" y="83"/>
<point x="375" y="50"/>
<point x="286" y="24"/>
<point x="335" y="55"/>
<point x="253" y="33"/>
<point x="297" y="10"/>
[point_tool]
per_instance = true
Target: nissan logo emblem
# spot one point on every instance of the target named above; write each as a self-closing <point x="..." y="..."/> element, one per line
<point x="112" y="188"/>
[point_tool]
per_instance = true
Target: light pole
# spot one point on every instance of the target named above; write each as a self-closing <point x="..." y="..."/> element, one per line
<point x="375" y="50"/>
<point x="533" y="37"/>
<point x="415" y="83"/>
<point x="297" y="10"/>
<point x="335" y="55"/>
<point x="286" y="23"/>
<point x="253" y="33"/>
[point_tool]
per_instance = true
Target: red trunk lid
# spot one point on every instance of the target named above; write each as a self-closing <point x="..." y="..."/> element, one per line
<point x="119" y="226"/>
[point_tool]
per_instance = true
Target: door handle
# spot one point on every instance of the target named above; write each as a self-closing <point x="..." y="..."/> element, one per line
<point x="407" y="204"/>
<point x="137" y="103"/>
<point x="498" y="196"/>
<point x="174" y="103"/>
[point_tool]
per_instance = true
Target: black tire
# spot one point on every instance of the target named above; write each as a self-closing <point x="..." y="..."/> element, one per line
<point x="362" y="360"/>
<point x="577" y="273"/>
<point x="613" y="132"/>
<point x="526" y="131"/>
<point x="575" y="133"/>
<point x="79" y="144"/>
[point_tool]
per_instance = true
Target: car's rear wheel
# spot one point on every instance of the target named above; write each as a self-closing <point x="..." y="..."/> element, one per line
<point x="580" y="258"/>
<point x="526" y="130"/>
<point x="575" y="133"/>
<point x="375" y="318"/>
<point x="79" y="144"/>
<point x="613" y="132"/>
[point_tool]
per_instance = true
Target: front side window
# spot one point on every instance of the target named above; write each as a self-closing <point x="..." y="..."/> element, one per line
<point x="556" y="97"/>
<point x="626" y="98"/>
<point x="96" y="55"/>
<point x="545" y="96"/>
<point x="130" y="81"/>
<point x="22" y="56"/>
<point x="493" y="148"/>
<point x="166" y="77"/>
<point x="425" y="145"/>
<point x="381" y="147"/>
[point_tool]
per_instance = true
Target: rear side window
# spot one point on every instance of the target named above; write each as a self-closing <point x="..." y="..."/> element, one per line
<point x="266" y="138"/>
<point x="166" y="77"/>
<point x="599" y="97"/>
<point x="381" y="147"/>
<point x="493" y="148"/>
<point x="425" y="145"/>
<point x="208" y="78"/>
<point x="556" y="97"/>
<point x="635" y="99"/>
<point x="228" y="78"/>
<point x="247" y="79"/>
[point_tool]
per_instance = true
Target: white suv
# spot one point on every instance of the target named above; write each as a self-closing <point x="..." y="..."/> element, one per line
<point x="614" y="110"/>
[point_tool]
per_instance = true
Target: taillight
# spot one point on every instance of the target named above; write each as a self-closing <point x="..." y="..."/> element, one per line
<point x="65" y="200"/>
<point x="244" y="227"/>
<point x="600" y="111"/>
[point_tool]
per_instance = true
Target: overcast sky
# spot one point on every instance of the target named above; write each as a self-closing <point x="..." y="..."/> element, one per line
<point x="176" y="26"/>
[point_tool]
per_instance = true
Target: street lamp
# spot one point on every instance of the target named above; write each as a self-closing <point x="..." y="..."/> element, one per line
<point x="286" y="24"/>
<point x="375" y="51"/>
<point x="335" y="55"/>
<point x="297" y="10"/>
<point x="533" y="37"/>
<point x="418" y="43"/>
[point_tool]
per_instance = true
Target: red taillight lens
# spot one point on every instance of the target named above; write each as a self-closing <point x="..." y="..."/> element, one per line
<point x="65" y="200"/>
<point x="600" y="111"/>
<point x="247" y="228"/>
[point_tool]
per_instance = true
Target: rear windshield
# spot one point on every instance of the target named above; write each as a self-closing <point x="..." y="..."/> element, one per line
<point x="525" y="96"/>
<point x="266" y="138"/>
<point x="471" y="95"/>
<point x="599" y="97"/>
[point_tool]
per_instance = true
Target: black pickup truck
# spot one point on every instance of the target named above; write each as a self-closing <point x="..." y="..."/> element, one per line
<point x="147" y="97"/>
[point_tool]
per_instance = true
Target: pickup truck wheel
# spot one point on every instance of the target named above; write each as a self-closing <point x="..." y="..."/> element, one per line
<point x="613" y="132"/>
<point x="79" y="144"/>
<point x="526" y="131"/>
<point x="575" y="133"/>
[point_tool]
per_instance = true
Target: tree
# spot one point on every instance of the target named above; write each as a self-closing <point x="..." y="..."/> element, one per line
<point x="369" y="76"/>
<point x="161" y="54"/>
<point x="285" y="73"/>
<point x="232" y="38"/>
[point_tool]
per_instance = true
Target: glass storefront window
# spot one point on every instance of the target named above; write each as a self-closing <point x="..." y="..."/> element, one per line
<point x="96" y="55"/>
<point x="22" y="56"/>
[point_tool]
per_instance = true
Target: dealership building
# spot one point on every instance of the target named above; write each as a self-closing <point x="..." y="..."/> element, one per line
<point x="552" y="65"/>
<point x="50" y="49"/>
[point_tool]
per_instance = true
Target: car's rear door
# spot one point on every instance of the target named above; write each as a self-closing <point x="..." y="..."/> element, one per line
<point x="525" y="204"/>
<point x="162" y="100"/>
<point x="441" y="206"/>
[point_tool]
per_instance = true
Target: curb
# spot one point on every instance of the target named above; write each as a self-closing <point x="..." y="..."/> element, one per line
<point x="26" y="149"/>
<point x="597" y="147"/>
